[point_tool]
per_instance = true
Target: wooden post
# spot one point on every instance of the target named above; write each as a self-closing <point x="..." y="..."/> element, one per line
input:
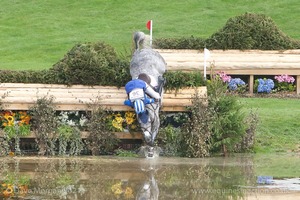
<point x="298" y="84"/>
<point x="251" y="84"/>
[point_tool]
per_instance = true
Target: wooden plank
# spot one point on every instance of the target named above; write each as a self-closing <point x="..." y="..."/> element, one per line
<point x="15" y="97"/>
<point x="235" y="61"/>
<point x="119" y="135"/>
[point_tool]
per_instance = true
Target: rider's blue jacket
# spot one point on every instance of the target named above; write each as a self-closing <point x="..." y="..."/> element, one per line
<point x="137" y="83"/>
<point x="133" y="84"/>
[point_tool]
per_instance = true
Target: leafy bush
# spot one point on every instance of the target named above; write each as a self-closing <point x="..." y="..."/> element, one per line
<point x="251" y="31"/>
<point x="69" y="136"/>
<point x="179" y="43"/>
<point x="170" y="139"/>
<point x="44" y="123"/>
<point x="247" y="31"/>
<point x="263" y="85"/>
<point x="237" y="84"/>
<point x="179" y="79"/>
<point x="90" y="64"/>
<point x="247" y="143"/>
<point x="100" y="138"/>
<point x="197" y="131"/>
<point x="285" y="83"/>
<point x="228" y="128"/>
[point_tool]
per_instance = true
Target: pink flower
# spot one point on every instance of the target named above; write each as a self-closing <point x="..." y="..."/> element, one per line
<point x="225" y="78"/>
<point x="285" y="78"/>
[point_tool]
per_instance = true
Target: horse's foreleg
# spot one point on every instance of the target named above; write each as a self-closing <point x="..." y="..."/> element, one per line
<point x="155" y="124"/>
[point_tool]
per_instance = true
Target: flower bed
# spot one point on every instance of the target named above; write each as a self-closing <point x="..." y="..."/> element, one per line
<point x="59" y="113"/>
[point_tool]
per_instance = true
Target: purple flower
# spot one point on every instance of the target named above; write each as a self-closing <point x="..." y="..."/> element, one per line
<point x="235" y="83"/>
<point x="285" y="78"/>
<point x="265" y="85"/>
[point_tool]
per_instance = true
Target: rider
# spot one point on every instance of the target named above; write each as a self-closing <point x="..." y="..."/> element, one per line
<point x="143" y="81"/>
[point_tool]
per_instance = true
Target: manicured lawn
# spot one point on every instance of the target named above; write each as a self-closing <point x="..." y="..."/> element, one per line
<point x="279" y="123"/>
<point x="37" y="34"/>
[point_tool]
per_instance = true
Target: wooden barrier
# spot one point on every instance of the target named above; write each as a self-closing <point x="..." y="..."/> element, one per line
<point x="236" y="62"/>
<point x="20" y="96"/>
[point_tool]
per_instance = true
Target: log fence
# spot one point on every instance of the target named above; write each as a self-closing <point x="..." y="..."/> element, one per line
<point x="236" y="62"/>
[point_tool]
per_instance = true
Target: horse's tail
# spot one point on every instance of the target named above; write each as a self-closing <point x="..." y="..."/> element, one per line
<point x="140" y="40"/>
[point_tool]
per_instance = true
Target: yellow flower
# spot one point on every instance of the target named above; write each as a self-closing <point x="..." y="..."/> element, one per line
<point x="11" y="154"/>
<point x="129" y="121"/>
<point x="119" y="119"/>
<point x="10" y="120"/>
<point x="116" y="189"/>
<point x="9" y="191"/>
<point x="129" y="117"/>
<point x="117" y="125"/>
<point x="129" y="114"/>
<point x="128" y="193"/>
<point x="133" y="126"/>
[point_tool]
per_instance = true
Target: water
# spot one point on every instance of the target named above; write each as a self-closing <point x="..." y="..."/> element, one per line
<point x="96" y="178"/>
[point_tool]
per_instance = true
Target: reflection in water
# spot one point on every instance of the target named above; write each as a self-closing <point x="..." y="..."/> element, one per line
<point x="128" y="178"/>
<point x="149" y="189"/>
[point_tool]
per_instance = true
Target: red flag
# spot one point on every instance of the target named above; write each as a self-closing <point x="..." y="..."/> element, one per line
<point x="148" y="25"/>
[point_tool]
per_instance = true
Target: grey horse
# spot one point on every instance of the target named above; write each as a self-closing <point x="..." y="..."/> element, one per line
<point x="145" y="60"/>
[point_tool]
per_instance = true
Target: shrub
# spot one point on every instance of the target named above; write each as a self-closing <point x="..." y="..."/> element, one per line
<point x="237" y="84"/>
<point x="170" y="140"/>
<point x="285" y="83"/>
<point x="263" y="85"/>
<point x="234" y="84"/>
<point x="250" y="31"/>
<point x="197" y="131"/>
<point x="247" y="143"/>
<point x="69" y="135"/>
<point x="179" y="43"/>
<point x="178" y="79"/>
<point x="89" y="64"/>
<point x="100" y="139"/>
<point x="227" y="118"/>
<point x="44" y="123"/>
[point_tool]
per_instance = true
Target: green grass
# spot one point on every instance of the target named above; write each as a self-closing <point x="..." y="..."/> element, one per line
<point x="36" y="34"/>
<point x="279" y="125"/>
<point x="279" y="165"/>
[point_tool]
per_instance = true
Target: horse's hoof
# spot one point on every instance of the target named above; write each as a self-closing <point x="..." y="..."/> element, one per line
<point x="151" y="152"/>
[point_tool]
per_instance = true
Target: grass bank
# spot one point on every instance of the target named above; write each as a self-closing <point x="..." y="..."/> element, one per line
<point x="279" y="125"/>
<point x="36" y="34"/>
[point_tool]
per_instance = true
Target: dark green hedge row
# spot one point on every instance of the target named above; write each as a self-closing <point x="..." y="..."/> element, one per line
<point x="93" y="64"/>
<point x="247" y="31"/>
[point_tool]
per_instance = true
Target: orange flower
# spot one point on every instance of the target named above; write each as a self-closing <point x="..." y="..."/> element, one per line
<point x="23" y="190"/>
<point x="11" y="154"/>
<point x="8" y="191"/>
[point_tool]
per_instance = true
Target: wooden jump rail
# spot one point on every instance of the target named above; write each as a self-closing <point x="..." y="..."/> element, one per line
<point x="20" y="96"/>
<point x="236" y="62"/>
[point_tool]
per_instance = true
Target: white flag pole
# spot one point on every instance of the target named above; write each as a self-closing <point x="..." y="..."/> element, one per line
<point x="206" y="56"/>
